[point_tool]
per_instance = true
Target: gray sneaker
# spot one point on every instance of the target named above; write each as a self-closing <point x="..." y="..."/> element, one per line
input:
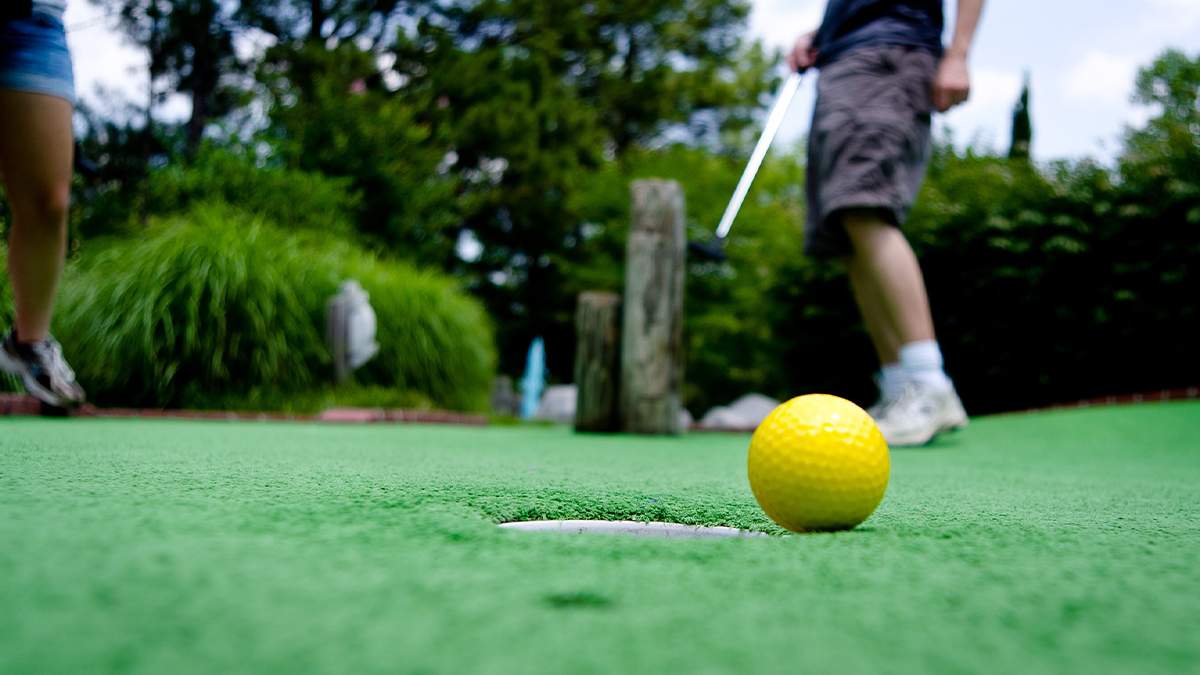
<point x="919" y="413"/>
<point x="43" y="370"/>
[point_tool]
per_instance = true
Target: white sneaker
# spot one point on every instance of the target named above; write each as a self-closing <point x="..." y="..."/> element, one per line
<point x="919" y="413"/>
<point x="43" y="370"/>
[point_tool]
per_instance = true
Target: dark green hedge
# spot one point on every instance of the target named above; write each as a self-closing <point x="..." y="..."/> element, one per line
<point x="1047" y="285"/>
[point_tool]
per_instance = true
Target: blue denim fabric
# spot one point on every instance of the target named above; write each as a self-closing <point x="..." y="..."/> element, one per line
<point x="34" y="56"/>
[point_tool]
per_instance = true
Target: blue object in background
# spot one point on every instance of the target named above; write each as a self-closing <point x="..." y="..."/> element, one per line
<point x="534" y="379"/>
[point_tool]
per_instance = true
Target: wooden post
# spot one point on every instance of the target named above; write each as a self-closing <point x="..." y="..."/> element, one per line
<point x="597" y="346"/>
<point x="652" y="335"/>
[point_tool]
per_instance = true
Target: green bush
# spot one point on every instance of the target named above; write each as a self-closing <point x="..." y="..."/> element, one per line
<point x="211" y="301"/>
<point x="216" y="307"/>
<point x="290" y="198"/>
<point x="438" y="341"/>
<point x="1047" y="285"/>
<point x="6" y="299"/>
<point x="7" y="382"/>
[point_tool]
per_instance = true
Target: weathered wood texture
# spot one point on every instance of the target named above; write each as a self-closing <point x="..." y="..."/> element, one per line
<point x="652" y="331"/>
<point x="597" y="364"/>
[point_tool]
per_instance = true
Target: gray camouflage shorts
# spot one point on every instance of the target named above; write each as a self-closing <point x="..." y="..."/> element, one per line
<point x="869" y="142"/>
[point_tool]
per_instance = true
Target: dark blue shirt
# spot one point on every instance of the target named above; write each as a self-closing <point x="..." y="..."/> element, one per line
<point x="850" y="24"/>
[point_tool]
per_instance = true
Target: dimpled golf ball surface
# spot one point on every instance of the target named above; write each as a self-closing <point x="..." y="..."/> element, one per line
<point x="818" y="462"/>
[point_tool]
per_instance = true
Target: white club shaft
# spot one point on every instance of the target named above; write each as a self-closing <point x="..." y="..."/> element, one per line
<point x="774" y="120"/>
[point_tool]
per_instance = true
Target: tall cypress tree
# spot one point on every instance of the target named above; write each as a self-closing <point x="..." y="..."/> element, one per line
<point x="1022" y="127"/>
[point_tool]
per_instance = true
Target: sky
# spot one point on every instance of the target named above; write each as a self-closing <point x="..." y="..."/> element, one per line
<point x="1081" y="56"/>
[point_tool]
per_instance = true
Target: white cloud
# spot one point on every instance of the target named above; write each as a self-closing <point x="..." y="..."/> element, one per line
<point x="778" y="22"/>
<point x="1100" y="78"/>
<point x="991" y="87"/>
<point x="1171" y="20"/>
<point x="987" y="114"/>
<point x="100" y="56"/>
<point x="107" y="66"/>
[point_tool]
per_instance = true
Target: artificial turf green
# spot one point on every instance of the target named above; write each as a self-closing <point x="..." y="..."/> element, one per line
<point x="1043" y="543"/>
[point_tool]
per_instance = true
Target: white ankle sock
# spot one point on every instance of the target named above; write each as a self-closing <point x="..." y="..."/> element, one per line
<point x="922" y="362"/>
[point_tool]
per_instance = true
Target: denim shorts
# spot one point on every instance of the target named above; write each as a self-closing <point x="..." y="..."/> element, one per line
<point x="34" y="56"/>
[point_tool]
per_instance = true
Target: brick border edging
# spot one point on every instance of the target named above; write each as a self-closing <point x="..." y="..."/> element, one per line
<point x="19" y="404"/>
<point x="1160" y="396"/>
<point x="22" y="405"/>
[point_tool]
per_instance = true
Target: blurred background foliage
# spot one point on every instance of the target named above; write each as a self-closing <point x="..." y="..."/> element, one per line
<point x="7" y="382"/>
<point x="469" y="161"/>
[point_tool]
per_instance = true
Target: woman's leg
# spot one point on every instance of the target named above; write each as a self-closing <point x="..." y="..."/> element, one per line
<point x="36" y="145"/>
<point x="36" y="149"/>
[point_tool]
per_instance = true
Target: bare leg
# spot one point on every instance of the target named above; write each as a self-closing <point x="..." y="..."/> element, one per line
<point x="883" y="335"/>
<point x="36" y="146"/>
<point x="887" y="284"/>
<point x="890" y="290"/>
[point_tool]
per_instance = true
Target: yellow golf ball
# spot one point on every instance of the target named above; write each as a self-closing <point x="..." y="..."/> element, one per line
<point x="818" y="462"/>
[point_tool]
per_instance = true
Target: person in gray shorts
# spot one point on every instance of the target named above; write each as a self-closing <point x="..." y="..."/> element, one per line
<point x="883" y="72"/>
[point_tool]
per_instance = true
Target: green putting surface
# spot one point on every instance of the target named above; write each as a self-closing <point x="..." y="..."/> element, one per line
<point x="1042" y="543"/>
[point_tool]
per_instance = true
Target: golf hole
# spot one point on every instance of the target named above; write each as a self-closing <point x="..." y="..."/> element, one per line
<point x="631" y="528"/>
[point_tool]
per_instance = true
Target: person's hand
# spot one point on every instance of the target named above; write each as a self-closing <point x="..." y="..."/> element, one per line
<point x="952" y="85"/>
<point x="803" y="56"/>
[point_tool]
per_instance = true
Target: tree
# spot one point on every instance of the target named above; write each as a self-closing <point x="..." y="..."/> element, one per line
<point x="1172" y="82"/>
<point x="1159" y="252"/>
<point x="534" y="95"/>
<point x="329" y="113"/>
<point x="1171" y="139"/>
<point x="190" y="50"/>
<point x="200" y="60"/>
<point x="1022" y="127"/>
<point x="644" y="67"/>
<point x="373" y="22"/>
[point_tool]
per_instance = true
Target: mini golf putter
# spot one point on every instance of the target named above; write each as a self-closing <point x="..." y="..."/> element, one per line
<point x="715" y="249"/>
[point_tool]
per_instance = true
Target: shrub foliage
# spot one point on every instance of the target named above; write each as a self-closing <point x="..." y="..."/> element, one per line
<point x="7" y="382"/>
<point x="215" y="303"/>
<point x="438" y="341"/>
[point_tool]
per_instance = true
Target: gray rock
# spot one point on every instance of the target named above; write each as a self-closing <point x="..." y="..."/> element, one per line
<point x="505" y="399"/>
<point x="746" y="412"/>
<point x="558" y="404"/>
<point x="559" y="401"/>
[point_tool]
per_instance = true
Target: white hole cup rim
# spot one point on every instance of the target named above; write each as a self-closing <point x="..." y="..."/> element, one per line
<point x="632" y="528"/>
